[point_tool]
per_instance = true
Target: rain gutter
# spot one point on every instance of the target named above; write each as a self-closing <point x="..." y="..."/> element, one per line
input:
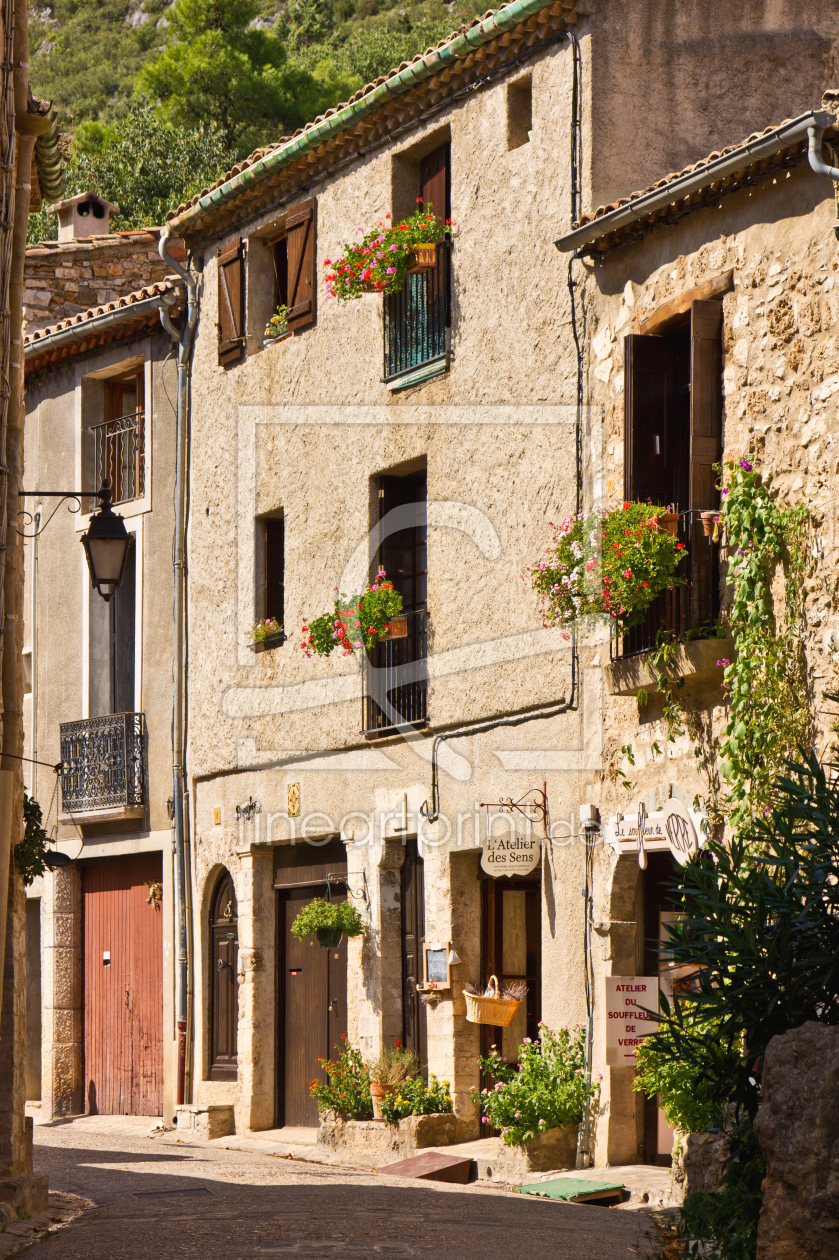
<point x="435" y="61"/>
<point x="99" y="323"/>
<point x="789" y="133"/>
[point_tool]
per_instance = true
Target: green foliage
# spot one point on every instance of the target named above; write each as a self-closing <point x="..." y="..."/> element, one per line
<point x="262" y="630"/>
<point x="761" y="933"/>
<point x="327" y="914"/>
<point x="29" y="852"/>
<point x="609" y="564"/>
<point x="547" y="1089"/>
<point x="141" y="163"/>
<point x="381" y="258"/>
<point x="416" y="1098"/>
<point x="348" y="1090"/>
<point x="356" y="621"/>
<point x="277" y="325"/>
<point x="394" y="1065"/>
<point x="660" y="1069"/>
<point x="770" y="716"/>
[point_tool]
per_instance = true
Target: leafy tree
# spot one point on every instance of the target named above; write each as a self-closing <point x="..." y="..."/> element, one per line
<point x="222" y="71"/>
<point x="144" y="165"/>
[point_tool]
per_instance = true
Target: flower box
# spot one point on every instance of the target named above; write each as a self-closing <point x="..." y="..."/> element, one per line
<point x="265" y="645"/>
<point x="398" y="629"/>
<point x="422" y="258"/>
<point x="272" y="341"/>
<point x="373" y="1142"/>
<point x="668" y="523"/>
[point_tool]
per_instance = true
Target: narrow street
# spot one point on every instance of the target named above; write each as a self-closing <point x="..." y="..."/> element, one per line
<point x="156" y="1196"/>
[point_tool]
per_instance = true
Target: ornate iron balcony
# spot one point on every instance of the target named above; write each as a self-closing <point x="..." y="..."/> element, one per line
<point x="120" y="456"/>
<point x="103" y="764"/>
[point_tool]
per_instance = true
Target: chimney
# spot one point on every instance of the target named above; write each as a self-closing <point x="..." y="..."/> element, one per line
<point x="87" y="214"/>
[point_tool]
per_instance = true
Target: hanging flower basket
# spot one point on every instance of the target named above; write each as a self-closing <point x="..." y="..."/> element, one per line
<point x="490" y="1007"/>
<point x="398" y="629"/>
<point x="668" y="523"/>
<point x="380" y="261"/>
<point x="356" y="622"/>
<point x="328" y="921"/>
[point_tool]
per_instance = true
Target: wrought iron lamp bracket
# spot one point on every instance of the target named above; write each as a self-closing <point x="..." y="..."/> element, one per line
<point x="533" y="806"/>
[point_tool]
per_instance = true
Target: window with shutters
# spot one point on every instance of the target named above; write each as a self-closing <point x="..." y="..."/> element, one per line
<point x="417" y="319"/>
<point x="231" y="303"/>
<point x="282" y="271"/>
<point x="269" y="594"/>
<point x="673" y="437"/>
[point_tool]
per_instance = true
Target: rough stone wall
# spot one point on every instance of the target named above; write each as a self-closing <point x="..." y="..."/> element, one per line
<point x="781" y="382"/>
<point x="15" y="1145"/>
<point x="62" y="280"/>
<point x="798" y="1128"/>
<point x="61" y="989"/>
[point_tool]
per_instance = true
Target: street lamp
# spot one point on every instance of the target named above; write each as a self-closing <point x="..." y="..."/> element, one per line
<point x="106" y="541"/>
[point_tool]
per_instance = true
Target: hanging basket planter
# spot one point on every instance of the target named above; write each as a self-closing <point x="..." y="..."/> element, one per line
<point x="328" y="938"/>
<point x="490" y="1007"/>
<point x="710" y="524"/>
<point x="422" y="258"/>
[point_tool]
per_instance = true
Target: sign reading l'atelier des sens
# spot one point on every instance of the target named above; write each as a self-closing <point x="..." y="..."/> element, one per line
<point x="631" y="1004"/>
<point x="510" y="854"/>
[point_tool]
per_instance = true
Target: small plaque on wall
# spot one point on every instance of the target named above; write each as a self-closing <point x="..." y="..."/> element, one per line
<point x="435" y="966"/>
<point x="293" y="790"/>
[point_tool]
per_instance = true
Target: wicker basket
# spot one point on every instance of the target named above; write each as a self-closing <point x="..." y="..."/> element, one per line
<point x="494" y="1010"/>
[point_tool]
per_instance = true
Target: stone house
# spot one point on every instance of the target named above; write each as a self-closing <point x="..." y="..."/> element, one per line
<point x="99" y="391"/>
<point x="436" y="433"/>
<point x="713" y="307"/>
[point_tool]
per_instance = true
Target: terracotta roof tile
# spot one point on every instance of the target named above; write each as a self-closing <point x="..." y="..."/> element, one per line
<point x="172" y="284"/>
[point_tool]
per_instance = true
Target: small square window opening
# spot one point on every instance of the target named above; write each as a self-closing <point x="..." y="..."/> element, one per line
<point x="519" y="113"/>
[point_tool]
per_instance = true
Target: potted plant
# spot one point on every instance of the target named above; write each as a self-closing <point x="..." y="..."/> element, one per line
<point x="388" y="1072"/>
<point x="381" y="260"/>
<point x="277" y="325"/>
<point x="265" y="634"/>
<point x="347" y="1091"/>
<point x="328" y="921"/>
<point x="357" y="621"/>
<point x="607" y="564"/>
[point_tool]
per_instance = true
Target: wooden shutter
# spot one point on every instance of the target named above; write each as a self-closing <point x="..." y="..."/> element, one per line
<point x="647" y="402"/>
<point x="301" y="243"/>
<point x="705" y="446"/>
<point x="231" y="304"/>
<point x="435" y="181"/>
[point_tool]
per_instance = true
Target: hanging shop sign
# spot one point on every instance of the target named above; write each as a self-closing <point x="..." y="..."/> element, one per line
<point x="507" y="854"/>
<point x="677" y="828"/>
<point x="631" y="1004"/>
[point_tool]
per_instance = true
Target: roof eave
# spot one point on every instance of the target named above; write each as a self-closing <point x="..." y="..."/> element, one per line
<point x="98" y="323"/>
<point x="789" y="133"/>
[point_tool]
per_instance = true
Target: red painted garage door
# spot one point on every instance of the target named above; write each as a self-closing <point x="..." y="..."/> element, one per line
<point x="123" y="987"/>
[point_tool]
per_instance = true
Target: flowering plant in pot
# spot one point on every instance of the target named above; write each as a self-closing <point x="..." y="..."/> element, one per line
<point x="380" y="261"/>
<point x="357" y="621"/>
<point x="347" y="1092"/>
<point x="607" y="564"/>
<point x="394" y="1066"/>
<point x="328" y="921"/>
<point x="547" y="1089"/>
<point x="265" y="631"/>
<point x="277" y="325"/>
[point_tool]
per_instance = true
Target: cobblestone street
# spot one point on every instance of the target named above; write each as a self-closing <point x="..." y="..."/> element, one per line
<point x="157" y="1196"/>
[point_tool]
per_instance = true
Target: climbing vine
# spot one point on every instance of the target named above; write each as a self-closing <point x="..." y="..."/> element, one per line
<point x="770" y="716"/>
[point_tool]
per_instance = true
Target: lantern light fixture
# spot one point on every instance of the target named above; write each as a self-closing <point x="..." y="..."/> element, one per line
<point x="105" y="542"/>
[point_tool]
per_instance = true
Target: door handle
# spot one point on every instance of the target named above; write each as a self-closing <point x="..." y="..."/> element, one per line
<point x="126" y="997"/>
<point x="221" y="964"/>
<point x="332" y="1008"/>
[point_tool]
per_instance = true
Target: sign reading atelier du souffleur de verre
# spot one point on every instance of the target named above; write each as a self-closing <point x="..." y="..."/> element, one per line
<point x="630" y="1002"/>
<point x="675" y="828"/>
<point x="507" y="854"/>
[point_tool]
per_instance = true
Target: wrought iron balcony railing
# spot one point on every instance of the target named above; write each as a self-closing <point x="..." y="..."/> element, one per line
<point x="394" y="677"/>
<point x="120" y="456"/>
<point x="687" y="607"/>
<point x="103" y="764"/>
<point x="416" y="319"/>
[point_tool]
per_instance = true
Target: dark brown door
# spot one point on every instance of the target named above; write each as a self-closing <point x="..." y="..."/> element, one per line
<point x="512" y="950"/>
<point x="314" y="1008"/>
<point x="224" y="982"/>
<point x="413" y="933"/>
<point x="123" y="986"/>
<point x="658" y="905"/>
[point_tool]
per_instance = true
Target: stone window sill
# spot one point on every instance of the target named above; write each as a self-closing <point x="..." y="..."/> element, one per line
<point x="696" y="660"/>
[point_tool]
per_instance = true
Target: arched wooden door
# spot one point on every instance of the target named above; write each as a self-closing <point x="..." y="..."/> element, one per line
<point x="224" y="982"/>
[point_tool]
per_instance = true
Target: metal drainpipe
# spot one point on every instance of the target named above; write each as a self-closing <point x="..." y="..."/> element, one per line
<point x="814" y="154"/>
<point x="184" y="340"/>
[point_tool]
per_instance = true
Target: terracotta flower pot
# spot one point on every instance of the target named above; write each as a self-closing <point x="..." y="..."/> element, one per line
<point x="668" y="523"/>
<point x="377" y="1093"/>
<point x="422" y="258"/>
<point x="708" y="520"/>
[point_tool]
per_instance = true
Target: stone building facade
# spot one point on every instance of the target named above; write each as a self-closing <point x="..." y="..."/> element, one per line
<point x="294" y="788"/>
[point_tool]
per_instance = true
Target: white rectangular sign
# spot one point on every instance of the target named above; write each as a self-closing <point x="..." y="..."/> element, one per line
<point x="629" y="1001"/>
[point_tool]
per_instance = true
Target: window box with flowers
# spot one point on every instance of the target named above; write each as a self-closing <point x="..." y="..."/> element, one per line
<point x="277" y="328"/>
<point x="385" y="256"/>
<point x="608" y="565"/>
<point x="356" y="623"/>
<point x="265" y="635"/>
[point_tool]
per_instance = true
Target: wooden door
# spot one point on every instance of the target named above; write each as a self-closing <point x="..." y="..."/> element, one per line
<point x="413" y="934"/>
<point x="512" y="950"/>
<point x="313" y="1004"/>
<point x="658" y="907"/>
<point x="224" y="982"/>
<point x="123" y="986"/>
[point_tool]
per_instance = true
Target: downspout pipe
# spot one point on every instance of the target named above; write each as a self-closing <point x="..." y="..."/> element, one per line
<point x="184" y="339"/>
<point x="815" y="135"/>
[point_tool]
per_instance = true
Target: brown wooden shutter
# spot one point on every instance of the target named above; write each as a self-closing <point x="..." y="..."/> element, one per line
<point x="705" y="445"/>
<point x="647" y="403"/>
<point x="231" y="303"/>
<point x="301" y="239"/>
<point x="435" y="181"/>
